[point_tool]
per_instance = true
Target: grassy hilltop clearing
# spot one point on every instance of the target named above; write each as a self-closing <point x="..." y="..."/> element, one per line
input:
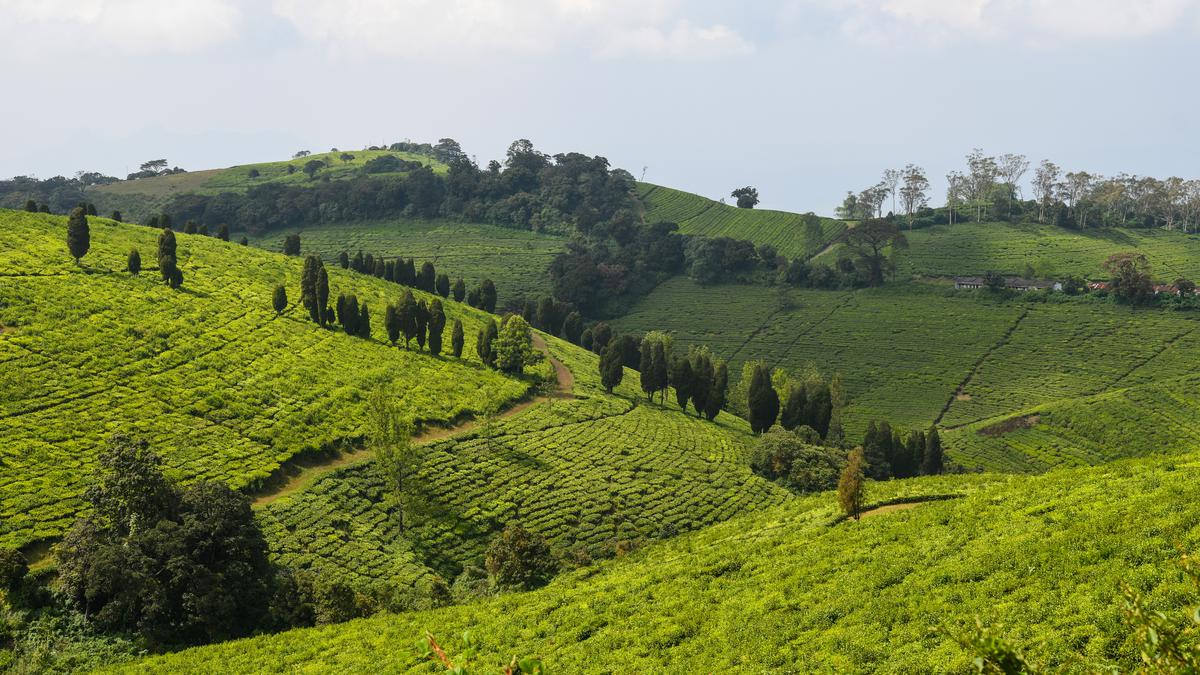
<point x="787" y="232"/>
<point x="208" y="373"/>
<point x="785" y="590"/>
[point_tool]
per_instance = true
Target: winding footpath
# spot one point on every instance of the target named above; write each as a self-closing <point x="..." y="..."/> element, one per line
<point x="300" y="473"/>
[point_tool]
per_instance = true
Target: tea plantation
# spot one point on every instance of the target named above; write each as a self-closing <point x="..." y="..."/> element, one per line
<point x="975" y="248"/>
<point x="698" y="215"/>
<point x="916" y="353"/>
<point x="586" y="473"/>
<point x="516" y="260"/>
<point x="1040" y="557"/>
<point x="221" y="386"/>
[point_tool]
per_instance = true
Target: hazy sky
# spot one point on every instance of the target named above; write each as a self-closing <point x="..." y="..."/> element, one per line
<point x="802" y="98"/>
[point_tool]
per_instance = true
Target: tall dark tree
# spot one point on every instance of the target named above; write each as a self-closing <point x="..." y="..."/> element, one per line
<point x="437" y="327"/>
<point x="547" y="318"/>
<point x="483" y="344"/>
<point x="457" y="339"/>
<point x="572" y="327"/>
<point x="442" y="285"/>
<point x="702" y="377"/>
<point x="406" y="312"/>
<point x="168" y="268"/>
<point x="422" y="316"/>
<point x="427" y="278"/>
<point x="933" y="461"/>
<point x="134" y="262"/>
<point x="31" y="206"/>
<point x="612" y="365"/>
<point x="487" y="296"/>
<point x="459" y="290"/>
<point x="364" y="322"/>
<point x="291" y="244"/>
<point x="308" y="287"/>
<point x="350" y="314"/>
<point x="190" y="227"/>
<point x="116" y="215"/>
<point x="279" y="299"/>
<point x="357" y="264"/>
<point x="586" y="340"/>
<point x="660" y="367"/>
<point x="719" y="392"/>
<point x="223" y="232"/>
<point x="90" y="209"/>
<point x="323" y="295"/>
<point x="602" y="334"/>
<point x="819" y="409"/>
<point x="762" y="400"/>
<point x="391" y="324"/>
<point x="344" y="260"/>
<point x="646" y="369"/>
<point x="795" y="408"/>
<point x="43" y="208"/>
<point x="681" y="379"/>
<point x="341" y="309"/>
<point x="79" y="237"/>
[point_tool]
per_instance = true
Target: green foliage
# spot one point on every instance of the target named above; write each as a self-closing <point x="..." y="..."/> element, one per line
<point x="12" y="568"/>
<point x="793" y="459"/>
<point x="78" y="235"/>
<point x="851" y="489"/>
<point x="518" y="559"/>
<point x="612" y="368"/>
<point x="133" y="264"/>
<point x="513" y="347"/>
<point x="761" y="400"/>
<point x="456" y="339"/>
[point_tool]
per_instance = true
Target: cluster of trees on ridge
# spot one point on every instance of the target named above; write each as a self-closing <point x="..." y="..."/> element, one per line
<point x="991" y="189"/>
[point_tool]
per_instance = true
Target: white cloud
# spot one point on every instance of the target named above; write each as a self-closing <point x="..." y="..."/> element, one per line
<point x="886" y="20"/>
<point x="135" y="26"/>
<point x="453" y="29"/>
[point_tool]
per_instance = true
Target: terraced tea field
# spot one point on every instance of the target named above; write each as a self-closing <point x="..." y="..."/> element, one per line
<point x="586" y="473"/>
<point x="915" y="354"/>
<point x="221" y="386"/>
<point x="698" y="215"/>
<point x="783" y="589"/>
<point x="516" y="260"/>
<point x="974" y="248"/>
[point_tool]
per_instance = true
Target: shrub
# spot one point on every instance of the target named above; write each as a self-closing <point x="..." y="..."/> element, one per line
<point x="519" y="559"/>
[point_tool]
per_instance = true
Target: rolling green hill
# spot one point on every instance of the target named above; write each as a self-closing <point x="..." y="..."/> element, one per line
<point x="699" y="215"/>
<point x="221" y="386"/>
<point x="914" y="354"/>
<point x="1052" y="252"/>
<point x="1042" y="557"/>
<point x="516" y="260"/>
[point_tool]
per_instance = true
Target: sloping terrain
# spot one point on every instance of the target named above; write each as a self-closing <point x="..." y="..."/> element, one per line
<point x="699" y="215"/>
<point x="221" y="386"/>
<point x="788" y="590"/>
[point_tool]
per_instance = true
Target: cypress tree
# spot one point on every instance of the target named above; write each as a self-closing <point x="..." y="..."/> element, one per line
<point x="341" y="310"/>
<point x="279" y="299"/>
<point x="646" y="369"/>
<point x="364" y="322"/>
<point x="380" y="268"/>
<point x="407" y="314"/>
<point x="79" y="237"/>
<point x="164" y="220"/>
<point x="308" y="287"/>
<point x="189" y="227"/>
<point x="612" y="366"/>
<point x="459" y="290"/>
<point x="134" y="262"/>
<point x="116" y="215"/>
<point x="601" y="335"/>
<point x="203" y="230"/>
<point x="223" y="232"/>
<point x="358" y="262"/>
<point x="428" y="277"/>
<point x="794" y="409"/>
<point x="702" y="375"/>
<point x="43" y="208"/>
<point x="31" y="206"/>
<point x="586" y="340"/>
<point x="483" y="344"/>
<point x="437" y="326"/>
<point x="720" y="390"/>
<point x="443" y="285"/>
<point x="572" y="328"/>
<point x="344" y="260"/>
<point x="410" y="272"/>
<point x="391" y="323"/>
<point x="819" y="409"/>
<point x="933" y="461"/>
<point x="389" y="270"/>
<point x="681" y="379"/>
<point x="350" y="311"/>
<point x="90" y="209"/>
<point x="658" y="365"/>
<point x="762" y="400"/>
<point x="547" y="316"/>
<point x="422" y="316"/>
<point x="529" y="312"/>
<point x="457" y="339"/>
<point x="369" y="264"/>
<point x="323" y="295"/>
<point x="166" y="254"/>
<point x="487" y="296"/>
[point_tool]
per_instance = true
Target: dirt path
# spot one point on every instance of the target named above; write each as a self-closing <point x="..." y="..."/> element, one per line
<point x="300" y="473"/>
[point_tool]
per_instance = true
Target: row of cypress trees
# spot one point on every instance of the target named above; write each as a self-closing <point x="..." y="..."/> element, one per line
<point x="406" y="273"/>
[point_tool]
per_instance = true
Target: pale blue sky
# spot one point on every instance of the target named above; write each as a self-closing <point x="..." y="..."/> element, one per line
<point x="802" y="98"/>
